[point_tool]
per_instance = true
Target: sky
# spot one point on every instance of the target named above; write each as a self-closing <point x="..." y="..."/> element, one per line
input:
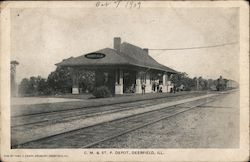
<point x="40" y="38"/>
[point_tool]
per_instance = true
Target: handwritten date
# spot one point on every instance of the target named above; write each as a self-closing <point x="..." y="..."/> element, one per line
<point x="119" y="3"/>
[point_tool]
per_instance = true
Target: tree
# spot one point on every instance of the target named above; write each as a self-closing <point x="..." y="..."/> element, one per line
<point x="24" y="87"/>
<point x="86" y="80"/>
<point x="34" y="86"/>
<point x="43" y="87"/>
<point x="60" y="80"/>
<point x="183" y="79"/>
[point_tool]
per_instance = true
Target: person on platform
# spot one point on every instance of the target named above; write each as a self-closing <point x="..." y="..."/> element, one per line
<point x="174" y="88"/>
<point x="143" y="87"/>
<point x="157" y="86"/>
<point x="160" y="87"/>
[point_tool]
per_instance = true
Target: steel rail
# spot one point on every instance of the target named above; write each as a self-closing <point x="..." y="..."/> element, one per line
<point x="142" y="126"/>
<point x="68" y="132"/>
<point x="126" y="131"/>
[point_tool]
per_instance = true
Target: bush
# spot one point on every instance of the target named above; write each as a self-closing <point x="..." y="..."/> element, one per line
<point x="187" y="89"/>
<point x="101" y="92"/>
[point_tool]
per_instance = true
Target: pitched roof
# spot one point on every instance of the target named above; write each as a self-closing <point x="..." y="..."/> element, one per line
<point x="111" y="58"/>
<point x="137" y="56"/>
<point x="128" y="55"/>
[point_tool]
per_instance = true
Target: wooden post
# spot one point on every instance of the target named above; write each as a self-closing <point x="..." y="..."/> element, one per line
<point x="164" y="83"/>
<point x="75" y="86"/>
<point x="119" y="81"/>
<point x="148" y="85"/>
<point x="138" y="83"/>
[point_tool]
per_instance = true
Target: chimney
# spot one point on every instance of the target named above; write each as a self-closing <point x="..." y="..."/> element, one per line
<point x="145" y="50"/>
<point x="117" y="43"/>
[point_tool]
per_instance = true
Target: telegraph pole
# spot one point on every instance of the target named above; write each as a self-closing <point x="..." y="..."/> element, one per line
<point x="197" y="84"/>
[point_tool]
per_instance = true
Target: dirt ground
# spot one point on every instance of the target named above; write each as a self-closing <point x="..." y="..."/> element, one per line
<point x="214" y="125"/>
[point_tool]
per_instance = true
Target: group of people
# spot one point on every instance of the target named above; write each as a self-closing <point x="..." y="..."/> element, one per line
<point x="173" y="89"/>
<point x="177" y="89"/>
<point x="156" y="87"/>
<point x="159" y="88"/>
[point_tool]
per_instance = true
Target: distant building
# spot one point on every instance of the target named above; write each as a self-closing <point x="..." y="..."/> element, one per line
<point x="122" y="69"/>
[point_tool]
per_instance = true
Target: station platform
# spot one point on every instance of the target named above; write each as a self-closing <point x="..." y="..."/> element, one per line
<point x="33" y="105"/>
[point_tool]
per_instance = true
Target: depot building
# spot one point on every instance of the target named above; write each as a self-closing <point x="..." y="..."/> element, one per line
<point x="123" y="69"/>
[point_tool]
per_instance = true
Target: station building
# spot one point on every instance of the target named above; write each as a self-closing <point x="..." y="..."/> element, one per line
<point x="122" y="69"/>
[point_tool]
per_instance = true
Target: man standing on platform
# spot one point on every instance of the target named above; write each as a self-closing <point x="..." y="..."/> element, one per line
<point x="143" y="87"/>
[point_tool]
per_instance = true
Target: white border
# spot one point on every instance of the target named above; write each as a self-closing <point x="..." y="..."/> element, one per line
<point x="240" y="154"/>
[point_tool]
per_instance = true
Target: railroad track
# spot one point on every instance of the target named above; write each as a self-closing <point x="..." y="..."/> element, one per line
<point x="74" y="114"/>
<point x="90" y="137"/>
